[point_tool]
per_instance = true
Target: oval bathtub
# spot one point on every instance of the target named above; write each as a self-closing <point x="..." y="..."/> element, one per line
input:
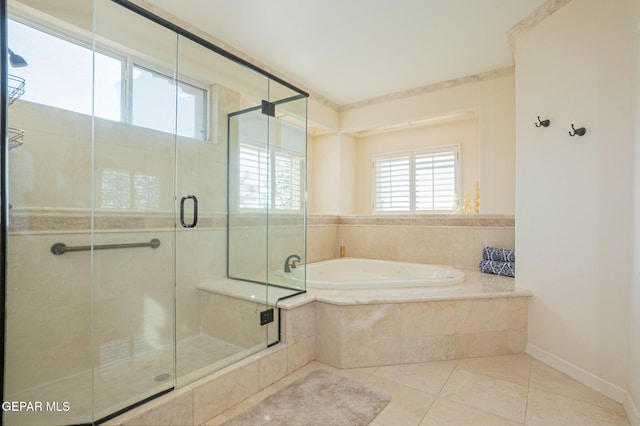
<point x="350" y="273"/>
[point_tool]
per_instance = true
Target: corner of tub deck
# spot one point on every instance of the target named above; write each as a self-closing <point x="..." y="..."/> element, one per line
<point x="296" y="301"/>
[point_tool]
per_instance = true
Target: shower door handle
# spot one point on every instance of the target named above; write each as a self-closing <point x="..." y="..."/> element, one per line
<point x="195" y="211"/>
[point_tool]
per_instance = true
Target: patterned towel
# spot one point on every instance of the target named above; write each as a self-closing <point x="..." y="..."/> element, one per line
<point x="499" y="254"/>
<point x="507" y="269"/>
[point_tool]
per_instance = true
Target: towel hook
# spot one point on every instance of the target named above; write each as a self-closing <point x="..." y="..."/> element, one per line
<point x="580" y="132"/>
<point x="543" y="123"/>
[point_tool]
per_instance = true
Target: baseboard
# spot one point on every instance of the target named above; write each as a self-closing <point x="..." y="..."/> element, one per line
<point x="632" y="411"/>
<point x="596" y="383"/>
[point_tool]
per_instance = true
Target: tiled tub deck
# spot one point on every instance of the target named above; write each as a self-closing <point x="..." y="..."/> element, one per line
<point x="484" y="315"/>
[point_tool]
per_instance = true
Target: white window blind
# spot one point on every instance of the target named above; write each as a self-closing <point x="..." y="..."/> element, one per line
<point x="272" y="180"/>
<point x="419" y="181"/>
<point x="393" y="183"/>
<point x="435" y="181"/>
<point x="254" y="177"/>
<point x="288" y="177"/>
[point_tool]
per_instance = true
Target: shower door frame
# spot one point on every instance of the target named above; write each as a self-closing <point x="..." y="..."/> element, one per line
<point x="4" y="148"/>
<point x="4" y="180"/>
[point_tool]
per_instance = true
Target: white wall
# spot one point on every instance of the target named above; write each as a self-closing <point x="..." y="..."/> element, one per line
<point x="634" y="336"/>
<point x="324" y="174"/>
<point x="573" y="207"/>
<point x="348" y="179"/>
<point x="332" y="176"/>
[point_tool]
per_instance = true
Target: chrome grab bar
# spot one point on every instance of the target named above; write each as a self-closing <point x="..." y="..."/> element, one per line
<point x="60" y="248"/>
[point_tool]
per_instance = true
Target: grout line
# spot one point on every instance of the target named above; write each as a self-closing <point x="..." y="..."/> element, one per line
<point x="526" y="405"/>
<point x="455" y="367"/>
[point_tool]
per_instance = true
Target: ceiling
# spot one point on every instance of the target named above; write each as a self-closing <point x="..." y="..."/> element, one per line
<point x="353" y="50"/>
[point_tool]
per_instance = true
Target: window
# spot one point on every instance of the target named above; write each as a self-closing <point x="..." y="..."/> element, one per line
<point x="254" y="177"/>
<point x="122" y="189"/>
<point x="258" y="191"/>
<point x="419" y="181"/>
<point x="61" y="72"/>
<point x="270" y="179"/>
<point x="152" y="92"/>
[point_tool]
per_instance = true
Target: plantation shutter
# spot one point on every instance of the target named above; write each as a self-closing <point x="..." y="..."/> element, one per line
<point x="393" y="183"/>
<point x="417" y="181"/>
<point x="435" y="175"/>
<point x="257" y="191"/>
<point x="254" y="177"/>
<point x="288" y="178"/>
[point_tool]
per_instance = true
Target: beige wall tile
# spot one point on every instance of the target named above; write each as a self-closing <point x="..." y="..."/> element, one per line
<point x="300" y="354"/>
<point x="299" y="323"/>
<point x="427" y="318"/>
<point x="517" y="312"/>
<point x="370" y="320"/>
<point x="177" y="411"/>
<point x="223" y="391"/>
<point x="328" y="334"/>
<point x="322" y="242"/>
<point x="457" y="244"/>
<point x="483" y="343"/>
<point x="423" y="244"/>
<point x="371" y="335"/>
<point x="272" y="368"/>
<point x="427" y="348"/>
<point x="363" y="351"/>
<point x="460" y="247"/>
<point x="473" y="315"/>
<point x="516" y="341"/>
<point x="233" y="320"/>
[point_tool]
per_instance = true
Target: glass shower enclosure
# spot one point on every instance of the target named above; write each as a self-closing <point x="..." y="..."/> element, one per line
<point x="153" y="187"/>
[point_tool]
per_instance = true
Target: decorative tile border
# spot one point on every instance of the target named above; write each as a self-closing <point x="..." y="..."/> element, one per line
<point x="475" y="221"/>
<point x="21" y="221"/>
<point x="25" y="221"/>
<point x="45" y="220"/>
<point x="317" y="219"/>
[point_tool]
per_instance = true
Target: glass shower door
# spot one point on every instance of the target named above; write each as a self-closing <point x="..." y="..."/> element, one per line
<point x="217" y="320"/>
<point x="154" y="189"/>
<point x="47" y="345"/>
<point x="267" y="192"/>
<point x="133" y="203"/>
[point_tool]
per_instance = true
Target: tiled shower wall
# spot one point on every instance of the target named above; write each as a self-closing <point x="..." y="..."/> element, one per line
<point x="455" y="240"/>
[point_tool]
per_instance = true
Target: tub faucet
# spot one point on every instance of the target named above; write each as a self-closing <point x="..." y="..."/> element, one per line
<point x="287" y="265"/>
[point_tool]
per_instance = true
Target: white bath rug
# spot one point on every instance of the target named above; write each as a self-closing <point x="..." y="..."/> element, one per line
<point x="320" y="398"/>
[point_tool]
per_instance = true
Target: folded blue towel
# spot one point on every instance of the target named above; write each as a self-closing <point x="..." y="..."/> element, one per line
<point x="507" y="269"/>
<point x="499" y="254"/>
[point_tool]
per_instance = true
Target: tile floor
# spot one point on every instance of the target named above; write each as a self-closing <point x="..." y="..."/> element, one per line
<point x="499" y="390"/>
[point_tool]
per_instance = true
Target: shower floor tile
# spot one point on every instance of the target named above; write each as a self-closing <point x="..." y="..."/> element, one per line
<point x="121" y="383"/>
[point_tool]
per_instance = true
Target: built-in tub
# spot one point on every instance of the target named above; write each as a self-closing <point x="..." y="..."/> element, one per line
<point x="351" y="273"/>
